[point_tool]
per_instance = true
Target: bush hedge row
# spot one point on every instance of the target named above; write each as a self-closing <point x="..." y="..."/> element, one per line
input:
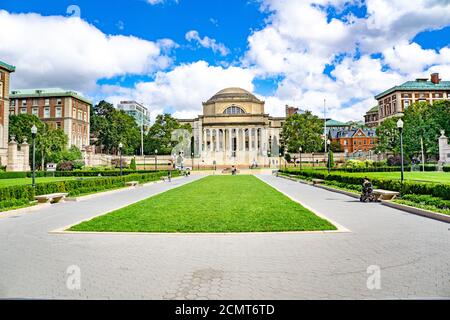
<point x="91" y="173"/>
<point x="428" y="168"/>
<point x="409" y="187"/>
<point x="77" y="187"/>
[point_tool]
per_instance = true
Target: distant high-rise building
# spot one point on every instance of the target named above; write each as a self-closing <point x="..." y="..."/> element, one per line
<point x="138" y="111"/>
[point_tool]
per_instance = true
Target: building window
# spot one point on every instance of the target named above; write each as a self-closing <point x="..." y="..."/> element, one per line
<point x="80" y="115"/>
<point x="47" y="112"/>
<point x="23" y="110"/>
<point x="85" y="116"/>
<point x="24" y="103"/>
<point x="407" y="103"/>
<point x="1" y="89"/>
<point x="13" y="103"/>
<point x="74" y="113"/>
<point x="58" y="112"/>
<point x="58" y="125"/>
<point x="47" y="102"/>
<point x="11" y="112"/>
<point x="35" y="112"/>
<point x="234" y="110"/>
<point x="35" y="102"/>
<point x="59" y="102"/>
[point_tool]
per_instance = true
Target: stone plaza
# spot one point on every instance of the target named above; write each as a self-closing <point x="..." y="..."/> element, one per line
<point x="409" y="254"/>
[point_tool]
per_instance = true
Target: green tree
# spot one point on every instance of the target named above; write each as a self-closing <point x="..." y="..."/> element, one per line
<point x="48" y="141"/>
<point x="159" y="136"/>
<point x="110" y="127"/>
<point x="422" y="122"/>
<point x="71" y="154"/>
<point x="303" y="130"/>
<point x="330" y="160"/>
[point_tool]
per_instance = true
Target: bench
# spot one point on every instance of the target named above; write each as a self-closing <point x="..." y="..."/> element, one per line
<point x="132" y="183"/>
<point x="51" y="198"/>
<point x="317" y="181"/>
<point x="385" y="195"/>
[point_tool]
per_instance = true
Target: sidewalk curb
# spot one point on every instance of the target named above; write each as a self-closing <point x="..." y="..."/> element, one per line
<point x="417" y="211"/>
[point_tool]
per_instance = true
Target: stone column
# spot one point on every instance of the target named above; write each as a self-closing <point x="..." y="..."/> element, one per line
<point x="12" y="156"/>
<point x="25" y="149"/>
<point x="217" y="140"/>
<point x="443" y="148"/>
<point x="224" y="141"/>
<point x="230" y="142"/>
<point x="204" y="141"/>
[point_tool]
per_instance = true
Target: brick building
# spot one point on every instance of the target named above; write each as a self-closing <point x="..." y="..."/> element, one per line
<point x="372" y="117"/>
<point x="66" y="110"/>
<point x="355" y="139"/>
<point x="5" y="71"/>
<point x="396" y="99"/>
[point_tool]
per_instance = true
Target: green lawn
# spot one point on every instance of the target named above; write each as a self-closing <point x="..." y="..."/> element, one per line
<point x="439" y="177"/>
<point x="25" y="181"/>
<point x="212" y="204"/>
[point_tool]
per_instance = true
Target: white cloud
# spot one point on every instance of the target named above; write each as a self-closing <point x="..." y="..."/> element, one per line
<point x="300" y="40"/>
<point x="207" y="42"/>
<point x="70" y="53"/>
<point x="183" y="89"/>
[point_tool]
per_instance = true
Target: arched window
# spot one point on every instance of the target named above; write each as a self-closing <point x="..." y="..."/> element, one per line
<point x="234" y="110"/>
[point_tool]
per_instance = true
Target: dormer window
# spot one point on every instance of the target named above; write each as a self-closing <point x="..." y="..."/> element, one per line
<point x="234" y="110"/>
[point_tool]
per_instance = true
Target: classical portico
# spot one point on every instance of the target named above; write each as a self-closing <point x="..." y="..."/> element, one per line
<point x="234" y="130"/>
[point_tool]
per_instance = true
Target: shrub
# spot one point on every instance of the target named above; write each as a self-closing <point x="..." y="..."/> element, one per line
<point x="397" y="161"/>
<point x="427" y="200"/>
<point x="133" y="164"/>
<point x="76" y="187"/>
<point x="5" y="204"/>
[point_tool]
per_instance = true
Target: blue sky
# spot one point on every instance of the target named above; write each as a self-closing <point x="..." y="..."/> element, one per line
<point x="174" y="54"/>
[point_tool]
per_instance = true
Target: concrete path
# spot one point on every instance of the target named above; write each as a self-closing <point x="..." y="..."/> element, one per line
<point x="411" y="252"/>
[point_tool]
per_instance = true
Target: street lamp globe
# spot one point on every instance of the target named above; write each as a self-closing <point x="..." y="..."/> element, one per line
<point x="156" y="151"/>
<point x="34" y="129"/>
<point x="400" y="124"/>
<point x="120" y="145"/>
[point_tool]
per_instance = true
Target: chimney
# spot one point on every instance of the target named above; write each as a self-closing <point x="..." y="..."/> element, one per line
<point x="435" y="78"/>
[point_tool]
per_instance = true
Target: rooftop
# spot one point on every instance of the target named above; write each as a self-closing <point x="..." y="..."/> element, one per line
<point x="417" y="85"/>
<point x="6" y="66"/>
<point x="233" y="93"/>
<point x="47" y="92"/>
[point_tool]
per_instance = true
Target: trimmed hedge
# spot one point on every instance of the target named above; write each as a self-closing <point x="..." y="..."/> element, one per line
<point x="93" y="173"/>
<point x="428" y="168"/>
<point x="77" y="187"/>
<point x="438" y="190"/>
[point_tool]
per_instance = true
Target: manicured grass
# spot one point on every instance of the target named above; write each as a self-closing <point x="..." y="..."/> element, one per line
<point x="212" y="204"/>
<point x="25" y="181"/>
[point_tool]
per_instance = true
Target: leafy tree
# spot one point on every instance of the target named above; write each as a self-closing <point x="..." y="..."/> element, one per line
<point x="70" y="155"/>
<point x="110" y="127"/>
<point x="336" y="147"/>
<point x="48" y="141"/>
<point x="159" y="136"/>
<point x="303" y="130"/>
<point x="422" y="121"/>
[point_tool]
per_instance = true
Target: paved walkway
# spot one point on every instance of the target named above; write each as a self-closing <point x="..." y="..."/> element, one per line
<point x="412" y="253"/>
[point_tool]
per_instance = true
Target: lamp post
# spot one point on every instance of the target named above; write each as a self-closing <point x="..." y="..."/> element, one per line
<point x="300" y="151"/>
<point x="400" y="125"/>
<point x="33" y="136"/>
<point x="156" y="160"/>
<point x="329" y="155"/>
<point x="120" y="157"/>
<point x="270" y="160"/>
<point x="192" y="157"/>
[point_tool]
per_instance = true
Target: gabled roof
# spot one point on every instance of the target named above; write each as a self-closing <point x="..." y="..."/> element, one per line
<point x="342" y="133"/>
<point x="46" y="92"/>
<point x="6" y="66"/>
<point x="418" y="85"/>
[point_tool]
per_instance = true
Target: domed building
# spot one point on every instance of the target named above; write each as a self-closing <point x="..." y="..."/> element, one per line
<point x="235" y="130"/>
